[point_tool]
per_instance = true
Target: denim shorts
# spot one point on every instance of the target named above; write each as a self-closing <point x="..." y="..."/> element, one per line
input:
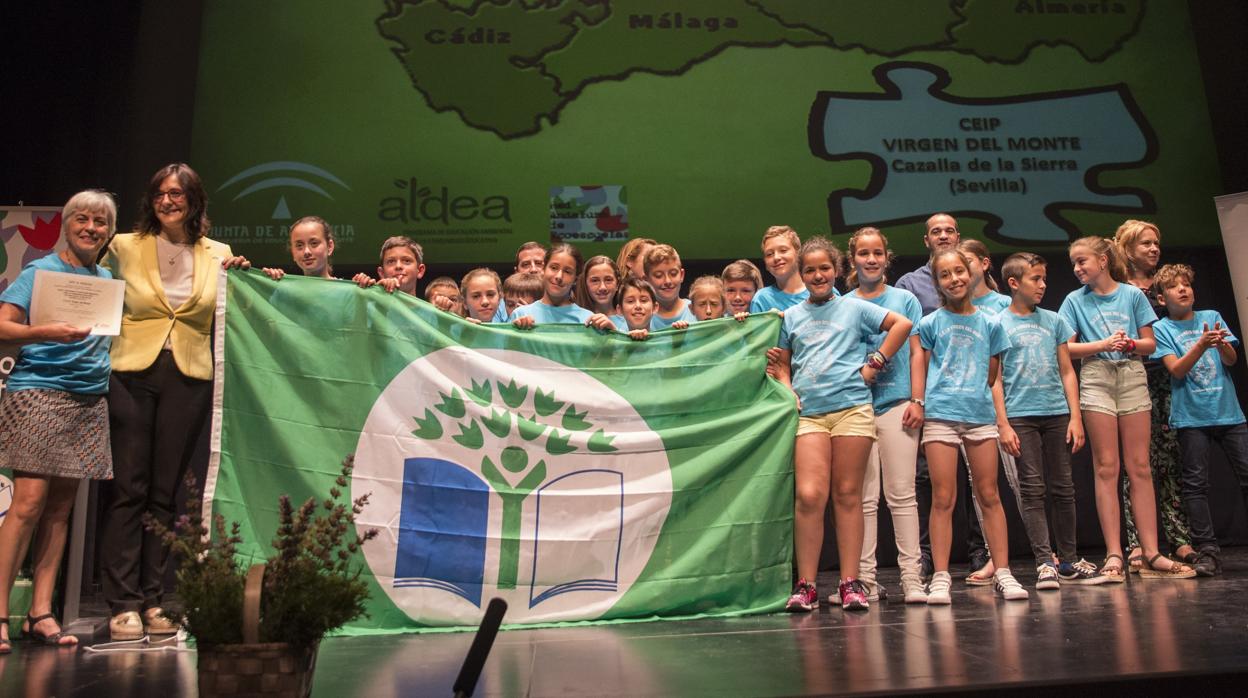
<point x="1113" y="387"/>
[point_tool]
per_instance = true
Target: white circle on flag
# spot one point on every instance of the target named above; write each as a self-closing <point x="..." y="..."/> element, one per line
<point x="497" y="473"/>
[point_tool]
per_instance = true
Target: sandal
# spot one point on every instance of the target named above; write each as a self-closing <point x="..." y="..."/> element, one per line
<point x="980" y="577"/>
<point x="1176" y="570"/>
<point x="6" y="645"/>
<point x="54" y="639"/>
<point x="1136" y="562"/>
<point x="1112" y="571"/>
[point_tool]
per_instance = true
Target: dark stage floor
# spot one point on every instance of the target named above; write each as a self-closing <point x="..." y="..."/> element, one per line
<point x="1143" y="638"/>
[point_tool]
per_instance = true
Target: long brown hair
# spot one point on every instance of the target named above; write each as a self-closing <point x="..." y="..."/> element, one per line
<point x="851" y="275"/>
<point x="581" y="295"/>
<point x="197" y="223"/>
<point x="980" y="251"/>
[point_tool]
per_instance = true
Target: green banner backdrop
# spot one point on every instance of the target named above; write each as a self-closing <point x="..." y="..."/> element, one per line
<point x="475" y="125"/>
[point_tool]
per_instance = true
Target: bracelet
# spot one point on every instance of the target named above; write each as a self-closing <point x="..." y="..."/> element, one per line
<point x="877" y="361"/>
<point x="1131" y="346"/>
<point x="918" y="402"/>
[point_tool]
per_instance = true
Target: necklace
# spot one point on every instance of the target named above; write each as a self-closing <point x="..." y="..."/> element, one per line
<point x="178" y="249"/>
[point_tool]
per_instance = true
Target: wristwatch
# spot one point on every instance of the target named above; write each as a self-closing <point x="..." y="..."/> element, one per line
<point x="918" y="402"/>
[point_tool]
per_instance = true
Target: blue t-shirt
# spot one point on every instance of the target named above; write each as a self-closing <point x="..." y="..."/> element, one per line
<point x="772" y="298"/>
<point x="1029" y="370"/>
<point x="661" y="323"/>
<point x="500" y="313"/>
<point x="923" y="286"/>
<point x="992" y="302"/>
<point x="957" y="370"/>
<point x="1095" y="317"/>
<point x="826" y="342"/>
<point x="892" y="385"/>
<point x="80" y="367"/>
<point x="1205" y="397"/>
<point x="543" y="313"/>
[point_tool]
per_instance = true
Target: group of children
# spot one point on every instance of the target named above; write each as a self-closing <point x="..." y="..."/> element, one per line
<point x="882" y="371"/>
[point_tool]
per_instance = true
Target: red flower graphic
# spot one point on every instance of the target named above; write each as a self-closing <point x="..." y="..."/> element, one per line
<point x="43" y="236"/>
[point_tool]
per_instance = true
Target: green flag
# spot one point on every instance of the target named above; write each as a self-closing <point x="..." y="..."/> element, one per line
<point x="579" y="475"/>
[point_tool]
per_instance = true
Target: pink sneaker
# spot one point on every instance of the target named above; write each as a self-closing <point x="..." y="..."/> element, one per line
<point x="853" y="595"/>
<point x="804" y="599"/>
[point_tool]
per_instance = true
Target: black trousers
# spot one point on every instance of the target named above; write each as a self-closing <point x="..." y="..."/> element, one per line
<point x="156" y="417"/>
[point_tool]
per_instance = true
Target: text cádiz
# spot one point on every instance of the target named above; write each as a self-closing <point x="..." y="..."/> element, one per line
<point x="677" y="20"/>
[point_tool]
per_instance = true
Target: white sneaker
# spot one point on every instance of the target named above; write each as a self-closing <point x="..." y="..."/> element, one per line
<point x="1046" y="578"/>
<point x="912" y="590"/>
<point x="938" y="590"/>
<point x="1007" y="587"/>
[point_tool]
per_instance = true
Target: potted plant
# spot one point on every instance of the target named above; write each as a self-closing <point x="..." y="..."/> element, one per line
<point x="257" y="629"/>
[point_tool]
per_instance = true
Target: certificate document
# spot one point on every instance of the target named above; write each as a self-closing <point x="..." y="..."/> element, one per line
<point x="79" y="300"/>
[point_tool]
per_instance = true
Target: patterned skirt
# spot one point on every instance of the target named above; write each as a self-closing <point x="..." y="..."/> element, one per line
<point x="55" y="433"/>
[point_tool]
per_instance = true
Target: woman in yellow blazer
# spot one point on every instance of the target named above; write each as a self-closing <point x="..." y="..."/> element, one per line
<point x="161" y="386"/>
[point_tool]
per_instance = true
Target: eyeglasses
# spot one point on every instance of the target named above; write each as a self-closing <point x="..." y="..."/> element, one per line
<point x="173" y="194"/>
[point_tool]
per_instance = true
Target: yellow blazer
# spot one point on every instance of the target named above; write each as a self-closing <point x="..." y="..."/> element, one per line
<point x="147" y="318"/>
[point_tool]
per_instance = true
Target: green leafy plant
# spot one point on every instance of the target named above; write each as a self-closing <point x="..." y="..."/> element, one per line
<point x="310" y="585"/>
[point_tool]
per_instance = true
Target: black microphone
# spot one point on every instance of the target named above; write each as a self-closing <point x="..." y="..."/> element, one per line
<point x="466" y="682"/>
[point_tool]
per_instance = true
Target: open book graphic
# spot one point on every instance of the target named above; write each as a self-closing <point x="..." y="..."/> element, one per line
<point x="576" y="547"/>
<point x="442" y="528"/>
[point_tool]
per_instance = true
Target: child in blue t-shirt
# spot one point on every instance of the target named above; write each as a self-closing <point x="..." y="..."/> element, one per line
<point x="635" y="299"/>
<point x="986" y="295"/>
<point x="897" y="399"/>
<point x="1039" y="393"/>
<point x="963" y="347"/>
<point x="821" y="360"/>
<point x="559" y="270"/>
<point x="1113" y="331"/>
<point x="780" y="247"/>
<point x="1203" y="406"/>
<point x="665" y="274"/>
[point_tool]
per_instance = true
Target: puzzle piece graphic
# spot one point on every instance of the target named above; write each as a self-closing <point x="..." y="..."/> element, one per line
<point x="924" y="145"/>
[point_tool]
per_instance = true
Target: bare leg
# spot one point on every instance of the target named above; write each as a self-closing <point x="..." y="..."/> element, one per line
<point x="49" y="548"/>
<point x="30" y="494"/>
<point x="1135" y="441"/>
<point x="981" y="459"/>
<point x="942" y="465"/>
<point x="813" y="473"/>
<point x="1103" y="436"/>
<point x="847" y="467"/>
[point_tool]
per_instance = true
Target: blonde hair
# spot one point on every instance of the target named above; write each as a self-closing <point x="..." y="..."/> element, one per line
<point x="581" y="295"/>
<point x="784" y="231"/>
<point x="482" y="271"/>
<point x="660" y="254"/>
<point x="712" y="283"/>
<point x="1170" y="273"/>
<point x="952" y="252"/>
<point x="742" y="270"/>
<point x="1128" y="234"/>
<point x="628" y="253"/>
<point x="1101" y="247"/>
<point x="851" y="274"/>
<point x="440" y="282"/>
<point x="980" y="251"/>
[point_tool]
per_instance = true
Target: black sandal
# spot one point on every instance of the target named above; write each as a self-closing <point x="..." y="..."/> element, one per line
<point x="6" y="646"/>
<point x="54" y="639"/>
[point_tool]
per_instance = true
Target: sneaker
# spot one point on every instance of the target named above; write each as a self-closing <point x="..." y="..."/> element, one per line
<point x="875" y="592"/>
<point x="938" y="590"/>
<point x="804" y="599"/>
<point x="1207" y="564"/>
<point x="912" y="589"/>
<point x="1082" y="572"/>
<point x="126" y="625"/>
<point x="853" y="595"/>
<point x="1007" y="587"/>
<point x="1046" y="577"/>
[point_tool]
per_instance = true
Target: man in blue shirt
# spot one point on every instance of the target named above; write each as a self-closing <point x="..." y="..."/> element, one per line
<point x="941" y="234"/>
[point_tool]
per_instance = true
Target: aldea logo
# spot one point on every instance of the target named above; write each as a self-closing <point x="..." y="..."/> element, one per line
<point x="502" y="473"/>
<point x="433" y="203"/>
<point x="283" y="174"/>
